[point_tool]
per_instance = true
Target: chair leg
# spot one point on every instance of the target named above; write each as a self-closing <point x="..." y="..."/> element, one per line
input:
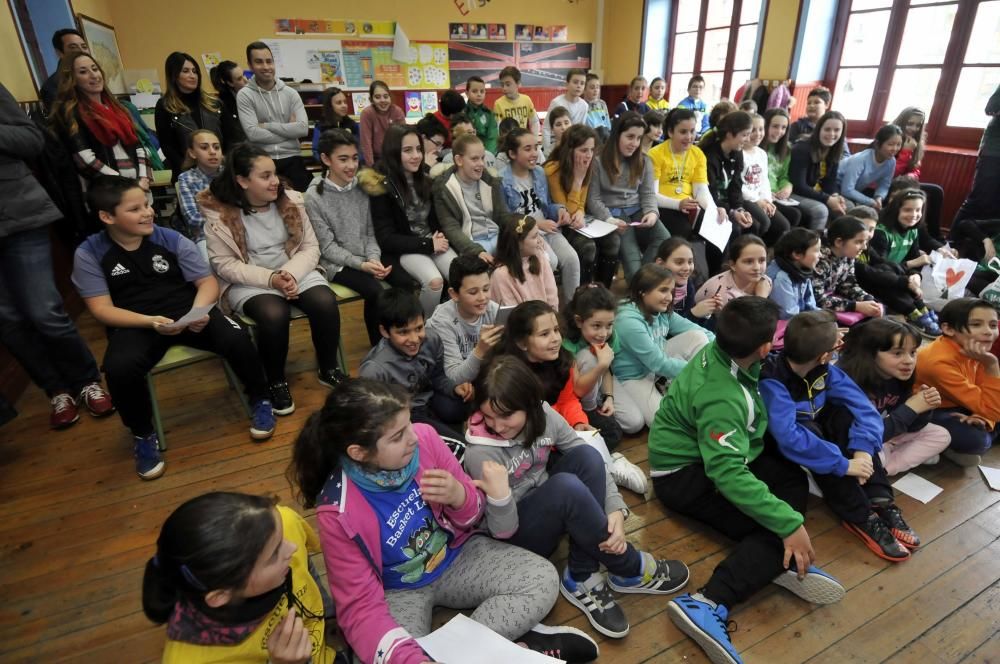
<point x="237" y="386"/>
<point x="161" y="436"/>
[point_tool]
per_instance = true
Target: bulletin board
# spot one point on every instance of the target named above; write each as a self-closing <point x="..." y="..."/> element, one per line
<point x="354" y="64"/>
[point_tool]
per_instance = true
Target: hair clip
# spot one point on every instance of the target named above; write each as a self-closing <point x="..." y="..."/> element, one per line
<point x="520" y="224"/>
<point x="192" y="579"/>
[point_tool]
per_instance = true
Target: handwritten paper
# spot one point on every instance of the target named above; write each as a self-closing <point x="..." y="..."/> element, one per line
<point x="196" y="313"/>
<point x="464" y="640"/>
<point x="597" y="228"/>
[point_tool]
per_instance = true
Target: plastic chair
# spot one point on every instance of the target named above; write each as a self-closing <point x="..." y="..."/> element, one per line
<point x="176" y="358"/>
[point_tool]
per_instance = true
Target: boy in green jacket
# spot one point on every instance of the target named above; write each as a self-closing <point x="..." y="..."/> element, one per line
<point x="708" y="462"/>
<point x="481" y="115"/>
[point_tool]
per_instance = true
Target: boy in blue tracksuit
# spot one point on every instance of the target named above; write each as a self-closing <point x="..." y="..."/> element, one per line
<point x="821" y="420"/>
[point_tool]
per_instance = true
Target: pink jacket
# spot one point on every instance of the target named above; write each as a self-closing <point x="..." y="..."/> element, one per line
<point x="506" y="290"/>
<point x="225" y="238"/>
<point x="349" y="534"/>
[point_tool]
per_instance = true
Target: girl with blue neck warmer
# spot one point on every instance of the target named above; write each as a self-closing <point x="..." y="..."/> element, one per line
<point x="398" y="520"/>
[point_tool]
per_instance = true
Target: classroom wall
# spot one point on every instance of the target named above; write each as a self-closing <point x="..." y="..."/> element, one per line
<point x="216" y="27"/>
<point x="779" y="39"/>
<point x="622" y="40"/>
<point x="14" y="71"/>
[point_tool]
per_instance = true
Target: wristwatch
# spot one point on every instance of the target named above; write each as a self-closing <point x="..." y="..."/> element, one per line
<point x="601" y="396"/>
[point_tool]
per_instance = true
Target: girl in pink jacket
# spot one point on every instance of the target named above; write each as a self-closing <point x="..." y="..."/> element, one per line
<point x="524" y="272"/>
<point x="397" y="518"/>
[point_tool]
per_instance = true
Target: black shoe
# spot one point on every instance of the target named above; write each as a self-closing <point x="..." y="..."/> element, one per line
<point x="566" y="643"/>
<point x="893" y="517"/>
<point x="281" y="399"/>
<point x="331" y="377"/>
<point x="879" y="539"/>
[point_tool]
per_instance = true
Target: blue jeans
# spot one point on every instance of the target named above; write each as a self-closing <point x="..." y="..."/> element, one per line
<point x="572" y="500"/>
<point x="488" y="243"/>
<point x="638" y="245"/>
<point x="965" y="439"/>
<point x="34" y="325"/>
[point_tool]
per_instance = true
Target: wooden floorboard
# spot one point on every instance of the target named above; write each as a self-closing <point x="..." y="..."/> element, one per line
<point x="78" y="528"/>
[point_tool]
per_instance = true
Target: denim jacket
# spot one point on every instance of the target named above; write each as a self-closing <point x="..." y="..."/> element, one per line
<point x="541" y="185"/>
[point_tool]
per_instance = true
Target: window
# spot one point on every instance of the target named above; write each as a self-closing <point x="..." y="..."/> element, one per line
<point x="942" y="56"/>
<point x="718" y="39"/>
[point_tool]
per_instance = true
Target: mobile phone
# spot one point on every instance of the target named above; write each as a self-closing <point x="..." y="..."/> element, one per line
<point x="502" y="315"/>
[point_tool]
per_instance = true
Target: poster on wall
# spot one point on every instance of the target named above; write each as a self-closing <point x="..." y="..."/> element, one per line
<point x="337" y="27"/>
<point x="104" y="47"/>
<point x="498" y="31"/>
<point x="412" y="104"/>
<point x="523" y="32"/>
<point x="543" y="64"/>
<point x="367" y="61"/>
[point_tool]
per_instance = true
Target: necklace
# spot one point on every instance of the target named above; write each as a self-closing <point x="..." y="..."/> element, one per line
<point x="679" y="189"/>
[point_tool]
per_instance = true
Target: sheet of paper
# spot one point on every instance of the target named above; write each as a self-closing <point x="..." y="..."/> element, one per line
<point x="188" y="318"/>
<point x="992" y="476"/>
<point x="464" y="641"/>
<point x="597" y="228"/>
<point x="714" y="232"/>
<point x="787" y="202"/>
<point x="587" y="435"/>
<point x="917" y="487"/>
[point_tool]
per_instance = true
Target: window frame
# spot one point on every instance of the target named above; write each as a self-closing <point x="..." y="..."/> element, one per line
<point x="733" y="27"/>
<point x="938" y="131"/>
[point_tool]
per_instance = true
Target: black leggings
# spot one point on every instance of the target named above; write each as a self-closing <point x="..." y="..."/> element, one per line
<point x="272" y="314"/>
<point x="369" y="288"/>
<point x="598" y="258"/>
<point x="766" y="228"/>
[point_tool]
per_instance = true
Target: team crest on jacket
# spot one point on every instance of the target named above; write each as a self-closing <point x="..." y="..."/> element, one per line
<point x="160" y="264"/>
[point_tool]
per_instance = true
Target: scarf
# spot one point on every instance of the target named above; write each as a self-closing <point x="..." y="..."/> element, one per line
<point x="794" y="272"/>
<point x="227" y="625"/>
<point x="107" y="122"/>
<point x="382" y="480"/>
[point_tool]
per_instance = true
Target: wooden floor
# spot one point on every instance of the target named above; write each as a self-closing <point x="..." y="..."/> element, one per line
<point x="78" y="526"/>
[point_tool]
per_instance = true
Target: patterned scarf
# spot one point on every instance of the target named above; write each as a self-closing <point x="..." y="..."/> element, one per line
<point x="108" y="122"/>
<point x="382" y="480"/>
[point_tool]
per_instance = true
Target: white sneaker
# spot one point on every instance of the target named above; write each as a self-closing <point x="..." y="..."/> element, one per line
<point x="931" y="461"/>
<point x="627" y="474"/>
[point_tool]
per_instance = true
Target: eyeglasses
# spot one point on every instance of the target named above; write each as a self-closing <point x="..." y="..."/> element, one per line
<point x="438" y="143"/>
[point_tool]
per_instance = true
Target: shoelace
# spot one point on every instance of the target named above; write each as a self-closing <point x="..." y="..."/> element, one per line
<point x="92" y="391"/>
<point x="895" y="518"/>
<point x="879" y="528"/>
<point x="602" y="596"/>
<point x="61" y="402"/>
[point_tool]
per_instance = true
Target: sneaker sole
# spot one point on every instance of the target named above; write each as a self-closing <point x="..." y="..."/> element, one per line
<point x="65" y="425"/>
<point x="912" y="546"/>
<point x="716" y="653"/>
<point x="260" y="434"/>
<point x="547" y="629"/>
<point x="99" y="415"/>
<point x="283" y="411"/>
<point x="593" y="623"/>
<point x="156" y="472"/>
<point x="872" y="545"/>
<point x="815" y="588"/>
<point x="638" y="590"/>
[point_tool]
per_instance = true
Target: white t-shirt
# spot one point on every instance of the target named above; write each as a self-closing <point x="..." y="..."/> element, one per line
<point x="756" y="186"/>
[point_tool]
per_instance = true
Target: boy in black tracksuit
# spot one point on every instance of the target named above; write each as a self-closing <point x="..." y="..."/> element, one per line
<point x="137" y="279"/>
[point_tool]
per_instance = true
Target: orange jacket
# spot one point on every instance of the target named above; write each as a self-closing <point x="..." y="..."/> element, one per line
<point x="962" y="381"/>
<point x="568" y="404"/>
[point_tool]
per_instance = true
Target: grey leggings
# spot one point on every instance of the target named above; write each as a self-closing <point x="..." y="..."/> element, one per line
<point x="426" y="269"/>
<point x="510" y="588"/>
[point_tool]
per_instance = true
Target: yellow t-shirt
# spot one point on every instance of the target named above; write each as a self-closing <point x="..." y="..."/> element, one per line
<point x="254" y="649"/>
<point x="822" y="174"/>
<point x="661" y="105"/>
<point x="521" y="109"/>
<point x="672" y="171"/>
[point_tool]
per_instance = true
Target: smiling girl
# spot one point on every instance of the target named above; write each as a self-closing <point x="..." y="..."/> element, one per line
<point x="864" y="177"/>
<point x="791" y="271"/>
<point x="757" y="184"/>
<point x="746" y="274"/>
<point x="335" y="116"/>
<point x="834" y="283"/>
<point x="231" y="579"/>
<point x="515" y="429"/>
<point x="97" y="129"/>
<point x="656" y="342"/>
<point x="813" y="170"/>
<point x="375" y="120"/>
<point x="900" y="237"/>
<point x="523" y="272"/>
<point x="184" y="108"/>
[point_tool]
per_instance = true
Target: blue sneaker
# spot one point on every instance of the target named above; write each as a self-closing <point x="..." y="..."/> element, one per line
<point x="817" y="587"/>
<point x="704" y="622"/>
<point x="928" y="325"/>
<point x="659" y="577"/>
<point x="148" y="463"/>
<point x="262" y="419"/>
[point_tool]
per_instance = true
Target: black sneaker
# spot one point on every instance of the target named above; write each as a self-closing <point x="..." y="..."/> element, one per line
<point x="281" y="399"/>
<point x="660" y="577"/>
<point x="879" y="539"/>
<point x="893" y="517"/>
<point x="331" y="377"/>
<point x="566" y="643"/>
<point x="594" y="598"/>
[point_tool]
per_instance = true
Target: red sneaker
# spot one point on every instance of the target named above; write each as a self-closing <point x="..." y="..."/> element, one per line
<point x="96" y="399"/>
<point x="64" y="411"/>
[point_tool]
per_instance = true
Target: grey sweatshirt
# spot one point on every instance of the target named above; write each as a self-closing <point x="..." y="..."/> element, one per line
<point x="459" y="338"/>
<point x="604" y="194"/>
<point x="422" y="375"/>
<point x="526" y="465"/>
<point x="283" y="114"/>
<point x="342" y="221"/>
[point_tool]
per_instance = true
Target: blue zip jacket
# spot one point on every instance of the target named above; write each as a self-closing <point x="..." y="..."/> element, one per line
<point x="791" y="296"/>
<point x="791" y="400"/>
<point x="541" y="185"/>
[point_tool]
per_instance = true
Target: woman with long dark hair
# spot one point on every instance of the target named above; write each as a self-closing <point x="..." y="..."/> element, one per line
<point x="228" y="79"/>
<point x="183" y="109"/>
